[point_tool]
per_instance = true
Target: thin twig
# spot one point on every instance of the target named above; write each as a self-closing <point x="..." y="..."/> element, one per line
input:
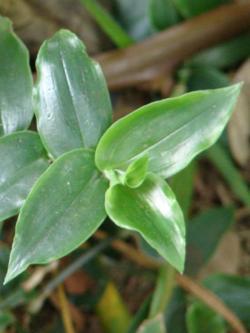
<point x="64" y="274"/>
<point x="129" y="252"/>
<point x="65" y="311"/>
<point x="184" y="281"/>
<point x="211" y="300"/>
<point x="75" y="265"/>
<point x="38" y="275"/>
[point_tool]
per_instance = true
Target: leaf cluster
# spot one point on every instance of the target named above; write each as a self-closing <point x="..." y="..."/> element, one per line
<point x="79" y="168"/>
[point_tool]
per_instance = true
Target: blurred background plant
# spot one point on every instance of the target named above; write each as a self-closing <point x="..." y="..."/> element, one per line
<point x="150" y="49"/>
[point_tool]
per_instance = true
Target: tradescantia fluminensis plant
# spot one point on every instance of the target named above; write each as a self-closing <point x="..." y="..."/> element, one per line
<point x="79" y="168"/>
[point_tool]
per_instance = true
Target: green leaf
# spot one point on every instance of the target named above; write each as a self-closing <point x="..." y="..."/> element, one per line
<point x="204" y="233"/>
<point x="189" y="8"/>
<point x="140" y="315"/>
<point x="224" y="55"/>
<point x="6" y="319"/>
<point x="22" y="160"/>
<point x="72" y="103"/>
<point x="163" y="14"/>
<point x="171" y="132"/>
<point x="64" y="208"/>
<point x="234" y="291"/>
<point x="201" y="318"/>
<point x="154" y="325"/>
<point x="15" y="81"/>
<point x="136" y="172"/>
<point x="203" y="77"/>
<point x="152" y="210"/>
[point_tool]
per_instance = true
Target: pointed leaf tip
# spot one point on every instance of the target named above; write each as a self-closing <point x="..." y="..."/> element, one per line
<point x="171" y="131"/>
<point x="152" y="210"/>
<point x="72" y="190"/>
<point x="71" y="95"/>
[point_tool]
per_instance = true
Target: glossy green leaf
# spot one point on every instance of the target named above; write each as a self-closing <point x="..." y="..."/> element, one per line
<point x="171" y="132"/>
<point x="224" y="55"/>
<point x="64" y="208"/>
<point x="234" y="291"/>
<point x="15" y="81"/>
<point x="163" y="14"/>
<point x="189" y="8"/>
<point x="153" y="325"/>
<point x="182" y="185"/>
<point x="152" y="210"/>
<point x="72" y="103"/>
<point x="22" y="160"/>
<point x="204" y="233"/>
<point x="136" y="172"/>
<point x="202" y="319"/>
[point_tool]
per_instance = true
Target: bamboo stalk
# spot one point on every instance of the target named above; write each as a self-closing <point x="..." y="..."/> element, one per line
<point x="159" y="55"/>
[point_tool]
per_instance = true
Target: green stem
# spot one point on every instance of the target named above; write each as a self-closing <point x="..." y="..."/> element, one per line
<point x="108" y="24"/>
<point x="76" y="265"/>
<point x="163" y="291"/>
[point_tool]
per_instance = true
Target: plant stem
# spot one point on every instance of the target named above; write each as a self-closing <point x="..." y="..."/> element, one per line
<point x="75" y="265"/>
<point x="108" y="24"/>
<point x="211" y="300"/>
<point x="65" y="311"/>
<point x="35" y="305"/>
<point x="163" y="290"/>
<point x="160" y="54"/>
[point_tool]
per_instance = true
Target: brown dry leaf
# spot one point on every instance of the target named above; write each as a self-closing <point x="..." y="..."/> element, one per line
<point x="78" y="283"/>
<point x="36" y="20"/>
<point x="239" y="126"/>
<point x="226" y="258"/>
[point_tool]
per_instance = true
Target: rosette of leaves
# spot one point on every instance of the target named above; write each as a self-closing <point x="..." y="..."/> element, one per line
<point x="97" y="169"/>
